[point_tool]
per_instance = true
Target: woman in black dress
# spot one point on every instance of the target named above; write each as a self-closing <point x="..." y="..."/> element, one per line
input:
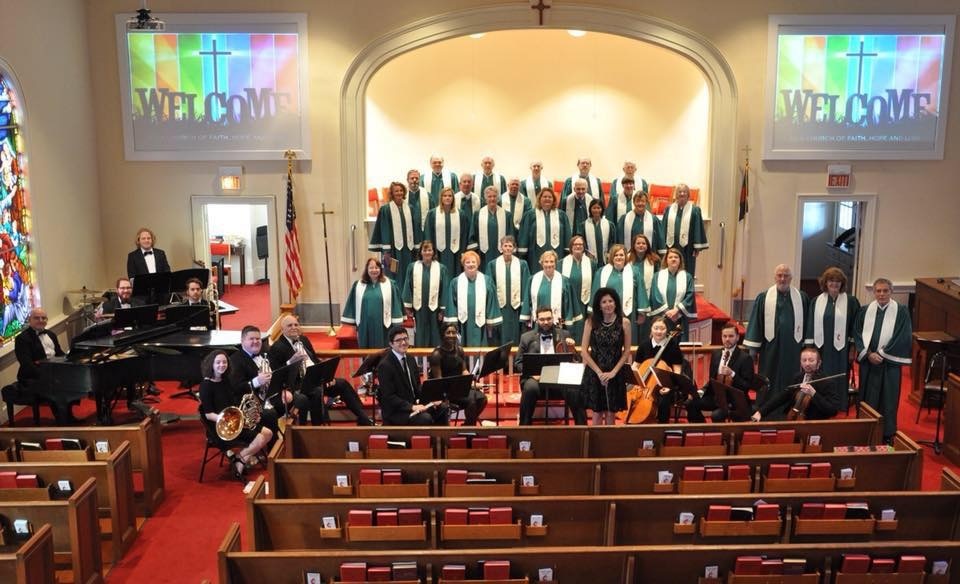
<point x="216" y="394"/>
<point x="605" y="351"/>
<point x="448" y="360"/>
<point x="672" y="356"/>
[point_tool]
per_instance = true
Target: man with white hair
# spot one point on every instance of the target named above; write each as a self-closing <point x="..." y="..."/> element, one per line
<point x="576" y="205"/>
<point x="683" y="229"/>
<point x="532" y="184"/>
<point x="594" y="184"/>
<point x="487" y="178"/>
<point x="490" y="224"/>
<point x="467" y="201"/>
<point x="776" y="329"/>
<point x="438" y="179"/>
<point x="620" y="203"/>
<point x="514" y="202"/>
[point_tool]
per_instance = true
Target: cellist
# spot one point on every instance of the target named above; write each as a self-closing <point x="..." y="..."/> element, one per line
<point x="672" y="356"/>
<point x="825" y="398"/>
<point x="730" y="366"/>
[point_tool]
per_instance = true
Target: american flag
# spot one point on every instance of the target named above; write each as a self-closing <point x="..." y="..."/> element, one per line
<point x="293" y="271"/>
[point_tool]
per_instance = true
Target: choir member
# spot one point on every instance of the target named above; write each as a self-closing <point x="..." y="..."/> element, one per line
<point x="449" y="230"/>
<point x="423" y="295"/>
<point x="395" y="233"/>
<point x="543" y="228"/>
<point x="373" y="304"/>
<point x="683" y="228"/>
<point x="472" y="302"/>
<point x="672" y="295"/>
<point x="511" y="278"/>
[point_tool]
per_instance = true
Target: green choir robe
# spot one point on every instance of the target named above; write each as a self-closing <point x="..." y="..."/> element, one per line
<point x="648" y="224"/>
<point x="830" y="335"/>
<point x="600" y="235"/>
<point x="535" y="220"/>
<point x="495" y="229"/>
<point x="385" y="237"/>
<point x="516" y="206"/>
<point x="468" y="204"/>
<point x="580" y="275"/>
<point x="463" y="308"/>
<point x="888" y="332"/>
<point x="674" y="291"/>
<point x="576" y="210"/>
<point x="450" y="248"/>
<point x="689" y="239"/>
<point x="542" y="295"/>
<point x="632" y="303"/>
<point x="434" y="183"/>
<point x="646" y="272"/>
<point x="377" y="302"/>
<point x="427" y="319"/>
<point x="594" y="186"/>
<point x="482" y="181"/>
<point x="619" y="205"/>
<point x="512" y="296"/>
<point x="419" y="202"/>
<point x="531" y="187"/>
<point x="776" y="332"/>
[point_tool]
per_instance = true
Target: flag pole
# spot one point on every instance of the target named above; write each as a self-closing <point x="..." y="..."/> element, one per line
<point x="294" y="273"/>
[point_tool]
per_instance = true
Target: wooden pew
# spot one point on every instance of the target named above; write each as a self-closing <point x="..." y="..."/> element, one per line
<point x="571" y="442"/>
<point x="876" y="471"/>
<point x="74" y="526"/>
<point x="31" y="562"/>
<point x="286" y="524"/>
<point x="114" y="489"/>
<point x="145" y="448"/>
<point x="626" y="564"/>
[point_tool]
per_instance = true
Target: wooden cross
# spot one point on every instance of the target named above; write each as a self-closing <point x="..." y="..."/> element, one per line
<point x="541" y="6"/>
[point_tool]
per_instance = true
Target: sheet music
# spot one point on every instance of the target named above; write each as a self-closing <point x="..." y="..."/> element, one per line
<point x="570" y="374"/>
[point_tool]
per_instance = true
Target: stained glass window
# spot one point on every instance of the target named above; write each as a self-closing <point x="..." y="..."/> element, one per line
<point x="20" y="292"/>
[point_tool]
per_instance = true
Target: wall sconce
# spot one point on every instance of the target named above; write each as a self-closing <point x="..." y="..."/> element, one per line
<point x="230" y="178"/>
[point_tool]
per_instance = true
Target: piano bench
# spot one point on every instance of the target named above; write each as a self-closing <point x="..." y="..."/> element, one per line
<point x="15" y="395"/>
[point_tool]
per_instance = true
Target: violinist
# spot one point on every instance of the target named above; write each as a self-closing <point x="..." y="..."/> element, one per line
<point x="672" y="356"/>
<point x="448" y="360"/>
<point x="806" y="397"/>
<point x="729" y="365"/>
<point x="544" y="339"/>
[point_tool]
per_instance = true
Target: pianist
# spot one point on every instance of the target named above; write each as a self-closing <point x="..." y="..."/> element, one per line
<point x="33" y="345"/>
<point x="123" y="299"/>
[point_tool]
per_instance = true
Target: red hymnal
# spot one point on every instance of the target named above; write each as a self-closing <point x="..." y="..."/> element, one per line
<point x="912" y="564"/>
<point x="387" y="518"/>
<point x="768" y="436"/>
<point x="778" y="471"/>
<point x="693" y="473"/>
<point x="410" y="516"/>
<point x="496" y="570"/>
<point x="27" y="481"/>
<point x="811" y="511"/>
<point x="748" y="566"/>
<point x="712" y="438"/>
<point x="393" y="477"/>
<point x="693" y="439"/>
<point x="501" y="515"/>
<point x="883" y="565"/>
<point x="718" y="513"/>
<point x="455" y="516"/>
<point x="738" y="472"/>
<point x="360" y="518"/>
<point x="480" y="442"/>
<point x="713" y="473"/>
<point x="835" y="511"/>
<point x="377" y="441"/>
<point x="799" y="471"/>
<point x="53" y="444"/>
<point x="786" y="436"/>
<point x="820" y="470"/>
<point x="766" y="512"/>
<point x="457" y="442"/>
<point x="370" y="476"/>
<point x="8" y="480"/>
<point x="420" y="442"/>
<point x="379" y="574"/>
<point x="750" y="437"/>
<point x="456" y="476"/>
<point x="855" y="564"/>
<point x="353" y="572"/>
<point x="454" y="572"/>
<point x="773" y="566"/>
<point x="672" y="439"/>
<point x="497" y="441"/>
<point x="478" y="517"/>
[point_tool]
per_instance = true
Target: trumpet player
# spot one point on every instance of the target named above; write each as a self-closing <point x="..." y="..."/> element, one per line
<point x="216" y="395"/>
<point x="295" y="351"/>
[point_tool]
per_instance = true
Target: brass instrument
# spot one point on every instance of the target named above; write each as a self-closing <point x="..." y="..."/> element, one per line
<point x="234" y="419"/>
<point x="212" y="296"/>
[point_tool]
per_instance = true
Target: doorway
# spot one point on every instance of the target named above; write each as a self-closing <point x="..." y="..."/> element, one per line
<point x="239" y="234"/>
<point x="834" y="231"/>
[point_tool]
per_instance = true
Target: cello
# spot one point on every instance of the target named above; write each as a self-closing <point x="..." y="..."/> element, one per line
<point x="641" y="399"/>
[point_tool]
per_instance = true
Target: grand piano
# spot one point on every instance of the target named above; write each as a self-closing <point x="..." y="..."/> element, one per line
<point x="108" y="366"/>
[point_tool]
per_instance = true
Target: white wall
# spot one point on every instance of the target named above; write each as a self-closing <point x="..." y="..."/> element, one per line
<point x="239" y="222"/>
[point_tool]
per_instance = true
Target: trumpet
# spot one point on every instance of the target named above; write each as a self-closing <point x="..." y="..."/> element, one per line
<point x="234" y="419"/>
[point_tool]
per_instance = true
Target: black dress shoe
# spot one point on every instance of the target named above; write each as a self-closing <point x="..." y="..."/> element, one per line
<point x="153" y="390"/>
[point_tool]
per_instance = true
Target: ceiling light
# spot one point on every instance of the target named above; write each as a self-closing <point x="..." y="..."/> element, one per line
<point x="576" y="33"/>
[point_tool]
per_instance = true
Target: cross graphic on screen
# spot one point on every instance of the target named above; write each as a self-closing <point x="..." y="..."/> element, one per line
<point x="215" y="53"/>
<point x="860" y="54"/>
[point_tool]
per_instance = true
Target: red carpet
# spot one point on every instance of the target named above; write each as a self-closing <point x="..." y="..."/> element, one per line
<point x="253" y="304"/>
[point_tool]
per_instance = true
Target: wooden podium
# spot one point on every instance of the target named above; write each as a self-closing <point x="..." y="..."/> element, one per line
<point x="936" y="308"/>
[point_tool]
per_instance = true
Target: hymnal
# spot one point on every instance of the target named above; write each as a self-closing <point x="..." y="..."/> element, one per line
<point x="786" y="436"/>
<point x="778" y="471"/>
<point x="820" y="470"/>
<point x="419" y="442"/>
<point x="377" y="441"/>
<point x="748" y="566"/>
<point x="30" y="446"/>
<point x="8" y="480"/>
<point x="481" y="481"/>
<point x="772" y="566"/>
<point x="712" y="438"/>
<point x="456" y="476"/>
<point x="496" y="570"/>
<point x="794" y="566"/>
<point x="799" y="471"/>
<point x="501" y="515"/>
<point x="410" y="516"/>
<point x="857" y="511"/>
<point x="478" y="517"/>
<point x="855" y="564"/>
<point x="882" y="565"/>
<point x="766" y="512"/>
<point x="370" y="476"/>
<point x="455" y="516"/>
<point x="768" y="436"/>
<point x="393" y="477"/>
<point x="693" y="439"/>
<point x="31" y="481"/>
<point x="497" y="441"/>
<point x="405" y="571"/>
<point x="457" y="442"/>
<point x="379" y="574"/>
<point x="811" y="511"/>
<point x="713" y="473"/>
<point x="738" y="472"/>
<point x="911" y="564"/>
<point x="834" y="511"/>
<point x="71" y="444"/>
<point x="360" y="518"/>
<point x="454" y="572"/>
<point x="750" y="437"/>
<point x="480" y="442"/>
<point x="53" y="444"/>
<point x="693" y="473"/>
<point x="718" y="513"/>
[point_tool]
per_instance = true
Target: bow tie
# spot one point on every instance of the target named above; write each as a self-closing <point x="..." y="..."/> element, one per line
<point x="546" y="337"/>
<point x="148" y="252"/>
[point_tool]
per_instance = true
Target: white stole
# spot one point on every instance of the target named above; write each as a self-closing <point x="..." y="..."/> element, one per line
<point x="628" y="220"/>
<point x="482" y="217"/>
<point x="648" y="272"/>
<point x="591" y="236"/>
<point x="434" y="293"/>
<point x="395" y="219"/>
<point x="441" y="225"/>
<point x="571" y="206"/>
<point x="628" y="286"/>
<point x="839" y="320"/>
<point x="684" y="224"/>
<point x="770" y="314"/>
<point x="663" y="277"/>
<point x="586" y="275"/>
<point x="463" y="298"/>
<point x="531" y="186"/>
<point x="445" y="176"/>
<point x="886" y="329"/>
<point x="500" y="268"/>
<point x="505" y="202"/>
<point x="554" y="228"/>
<point x="474" y="201"/>
<point x="478" y="180"/>
<point x="593" y="181"/>
<point x="556" y="293"/>
<point x="424" y="199"/>
<point x="386" y="291"/>
<point x="623" y="205"/>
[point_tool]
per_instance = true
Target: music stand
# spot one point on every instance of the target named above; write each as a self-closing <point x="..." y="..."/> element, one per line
<point x="533" y="363"/>
<point x="369" y="366"/>
<point x="135" y="316"/>
<point x="446" y="388"/>
<point x="185" y="316"/>
<point x="946" y="351"/>
<point x="494" y="361"/>
<point x="153" y="287"/>
<point x="725" y="394"/>
<point x="319" y="375"/>
<point x="178" y="279"/>
<point x="560" y="377"/>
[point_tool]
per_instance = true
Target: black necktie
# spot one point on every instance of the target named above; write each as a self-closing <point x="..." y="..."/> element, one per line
<point x="148" y="252"/>
<point x="406" y="374"/>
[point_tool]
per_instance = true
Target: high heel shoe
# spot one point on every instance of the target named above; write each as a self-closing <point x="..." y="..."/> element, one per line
<point x="239" y="469"/>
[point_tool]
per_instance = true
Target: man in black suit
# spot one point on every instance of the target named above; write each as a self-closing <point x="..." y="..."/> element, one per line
<point x="296" y="350"/>
<point x="193" y="295"/>
<point x="543" y="339"/>
<point x="123" y="299"/>
<point x="731" y="362"/>
<point x="826" y="397"/>
<point x="146" y="259"/>
<point x="399" y="377"/>
<point x="249" y="371"/>
<point x="35" y="344"/>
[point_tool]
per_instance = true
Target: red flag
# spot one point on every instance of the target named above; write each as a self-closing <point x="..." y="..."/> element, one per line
<point x="292" y="271"/>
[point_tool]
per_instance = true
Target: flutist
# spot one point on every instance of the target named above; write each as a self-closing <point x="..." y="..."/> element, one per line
<point x="812" y="396"/>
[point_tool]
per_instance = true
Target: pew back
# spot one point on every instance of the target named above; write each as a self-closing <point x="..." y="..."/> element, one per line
<point x="31" y="562"/>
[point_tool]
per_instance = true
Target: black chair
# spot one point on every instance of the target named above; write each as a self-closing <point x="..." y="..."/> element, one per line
<point x="15" y="395"/>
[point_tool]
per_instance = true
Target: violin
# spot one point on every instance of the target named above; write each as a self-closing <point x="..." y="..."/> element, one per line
<point x="640" y="400"/>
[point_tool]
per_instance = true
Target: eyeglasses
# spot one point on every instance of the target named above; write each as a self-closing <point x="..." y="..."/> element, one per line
<point x="401" y="340"/>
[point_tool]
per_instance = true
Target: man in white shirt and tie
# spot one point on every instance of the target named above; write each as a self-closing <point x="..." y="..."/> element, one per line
<point x="399" y="376"/>
<point x="729" y="365"/>
<point x="146" y="259"/>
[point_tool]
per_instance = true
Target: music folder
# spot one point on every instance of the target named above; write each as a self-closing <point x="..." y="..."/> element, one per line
<point x="495" y="360"/>
<point x="322" y="373"/>
<point x="565" y="374"/>
<point x="533" y="363"/>
<point x="732" y="399"/>
<point x="446" y="388"/>
<point x="135" y="316"/>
